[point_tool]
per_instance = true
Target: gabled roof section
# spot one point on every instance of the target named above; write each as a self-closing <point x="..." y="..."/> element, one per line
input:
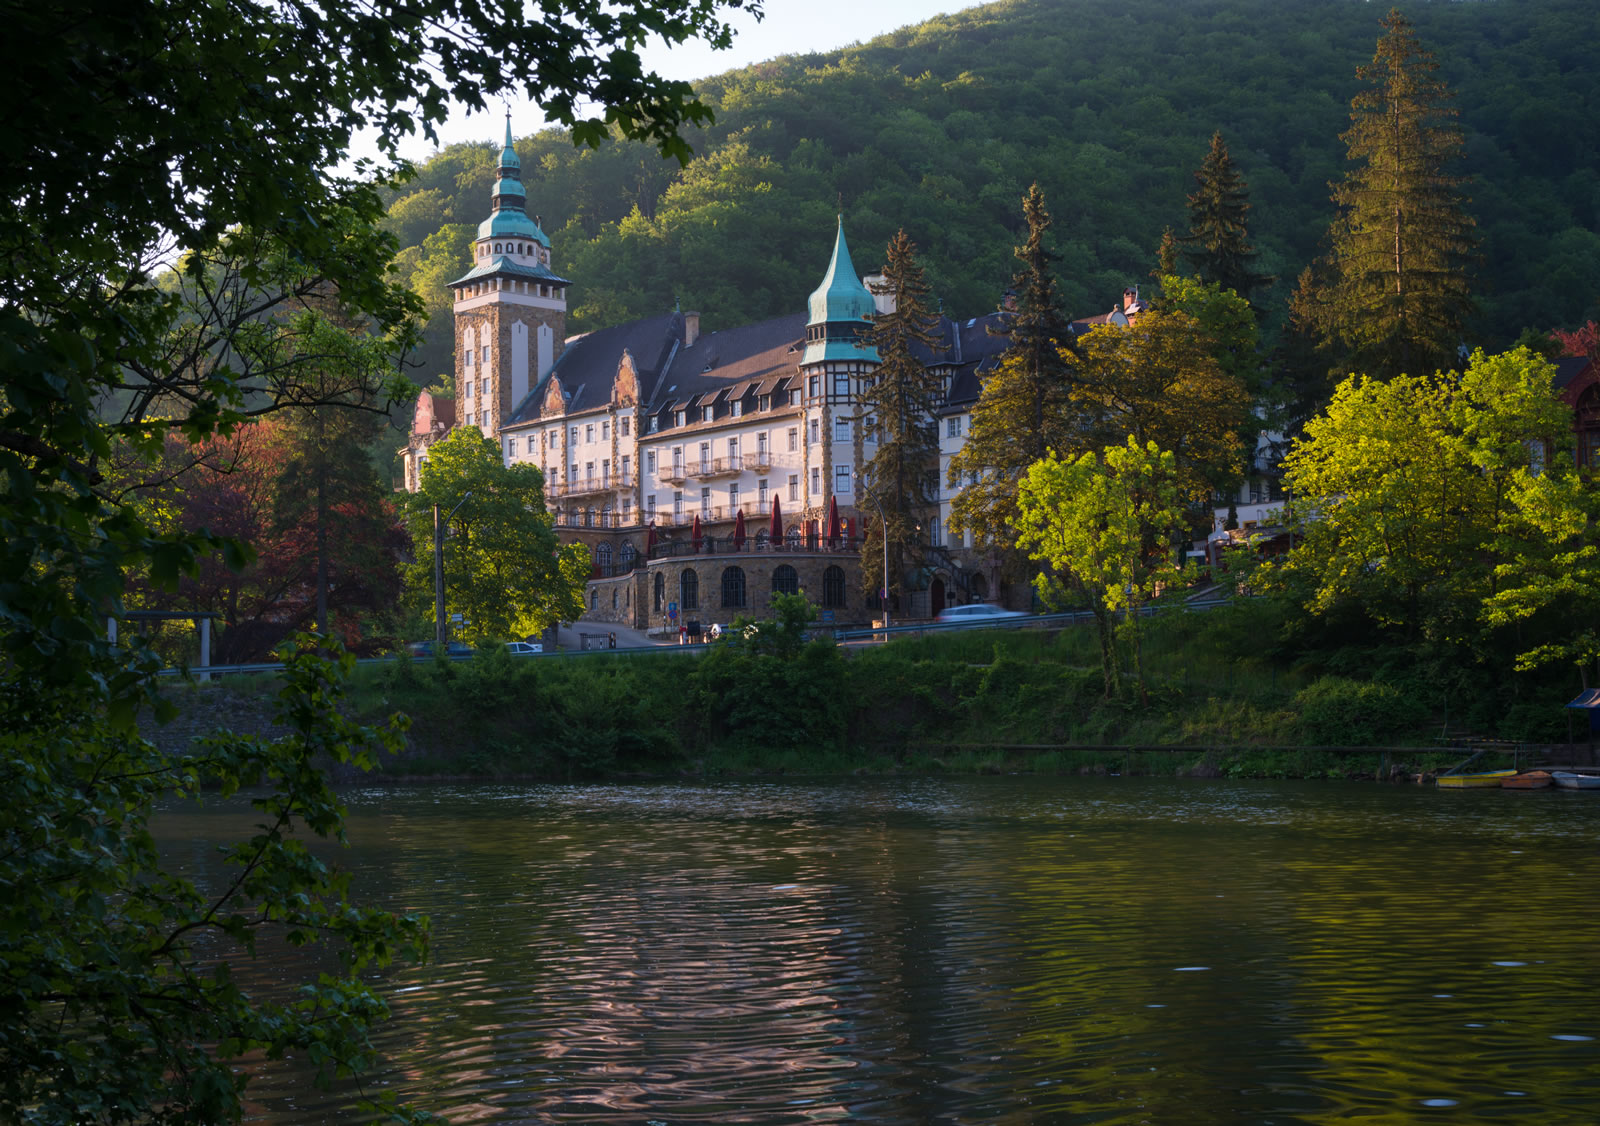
<point x="763" y="351"/>
<point x="589" y="365"/>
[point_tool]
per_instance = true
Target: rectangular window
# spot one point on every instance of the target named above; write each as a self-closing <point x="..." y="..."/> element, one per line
<point x="588" y="432"/>
<point x="841" y="480"/>
<point x="841" y="385"/>
<point x="816" y="431"/>
<point x="813" y="386"/>
<point x="574" y="436"/>
<point x="794" y="486"/>
<point x="761" y="492"/>
<point x="605" y="469"/>
<point x="677" y="461"/>
<point x="588" y="470"/>
<point x="705" y="501"/>
<point x="650" y="463"/>
<point x="627" y="467"/>
<point x="794" y="438"/>
<point x="677" y="504"/>
<point x="736" y="408"/>
<point x="511" y="447"/>
<point x="733" y="451"/>
<point x="794" y="397"/>
<point x="627" y="508"/>
<point x="623" y="423"/>
<point x="572" y="472"/>
<point x="816" y="481"/>
<point x="761" y="445"/>
<point x="483" y="388"/>
<point x="869" y="429"/>
<point x="765" y="403"/>
<point x="707" y="414"/>
<point x="733" y="497"/>
<point x="472" y="419"/>
<point x="605" y="431"/>
<point x="468" y="395"/>
<point x="705" y="457"/>
<point x="937" y="533"/>
<point x="650" y="507"/>
<point x="841" y="430"/>
<point x="677" y="418"/>
<point x="486" y="355"/>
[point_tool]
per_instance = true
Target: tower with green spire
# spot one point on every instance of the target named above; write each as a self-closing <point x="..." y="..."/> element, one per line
<point x="510" y="308"/>
<point x="833" y="368"/>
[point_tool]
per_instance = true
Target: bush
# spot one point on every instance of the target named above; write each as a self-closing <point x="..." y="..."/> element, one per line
<point x="1337" y="711"/>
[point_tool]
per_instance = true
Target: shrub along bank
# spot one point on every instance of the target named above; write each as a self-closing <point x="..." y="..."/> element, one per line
<point x="1219" y="700"/>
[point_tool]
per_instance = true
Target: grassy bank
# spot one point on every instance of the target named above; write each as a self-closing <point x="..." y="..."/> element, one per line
<point x="1217" y="700"/>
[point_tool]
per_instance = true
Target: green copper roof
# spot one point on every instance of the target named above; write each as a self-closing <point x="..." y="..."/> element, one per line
<point x="512" y="222"/>
<point x="501" y="266"/>
<point x="841" y="296"/>
<point x="510" y="219"/>
<point x="508" y="155"/>
<point x="843" y="304"/>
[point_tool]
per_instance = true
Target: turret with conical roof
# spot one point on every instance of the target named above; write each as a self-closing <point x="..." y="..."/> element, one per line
<point x="840" y="312"/>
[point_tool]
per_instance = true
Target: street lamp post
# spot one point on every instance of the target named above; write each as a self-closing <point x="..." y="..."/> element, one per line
<point x="883" y="533"/>
<point x="438" y="569"/>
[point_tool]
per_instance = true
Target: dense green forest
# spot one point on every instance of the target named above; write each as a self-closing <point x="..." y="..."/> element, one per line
<point x="939" y="128"/>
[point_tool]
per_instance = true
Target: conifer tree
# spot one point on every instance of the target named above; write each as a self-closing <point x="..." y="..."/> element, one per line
<point x="1025" y="409"/>
<point x="1218" y="244"/>
<point x="901" y="481"/>
<point x="1398" y="293"/>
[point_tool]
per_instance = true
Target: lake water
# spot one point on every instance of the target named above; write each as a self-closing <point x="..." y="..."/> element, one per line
<point x="999" y="950"/>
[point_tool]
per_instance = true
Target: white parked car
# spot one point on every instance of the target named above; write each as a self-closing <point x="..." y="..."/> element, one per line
<point x="977" y="612"/>
<point x="524" y="648"/>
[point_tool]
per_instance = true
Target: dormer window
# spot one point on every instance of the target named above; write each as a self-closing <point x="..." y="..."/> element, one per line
<point x="708" y="414"/>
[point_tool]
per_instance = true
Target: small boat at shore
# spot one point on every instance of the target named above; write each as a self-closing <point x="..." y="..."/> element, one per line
<point x="1483" y="780"/>
<point x="1528" y="780"/>
<point x="1570" y="781"/>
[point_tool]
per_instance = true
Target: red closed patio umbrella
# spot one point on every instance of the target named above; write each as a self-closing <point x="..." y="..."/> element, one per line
<point x="694" y="533"/>
<point x="833" y="521"/>
<point x="650" y="542"/>
<point x="776" y="531"/>
<point x="738" y="531"/>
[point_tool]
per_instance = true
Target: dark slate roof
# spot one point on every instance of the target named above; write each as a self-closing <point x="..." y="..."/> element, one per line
<point x="1569" y="368"/>
<point x="752" y="354"/>
<point x="588" y="364"/>
<point x="970" y="350"/>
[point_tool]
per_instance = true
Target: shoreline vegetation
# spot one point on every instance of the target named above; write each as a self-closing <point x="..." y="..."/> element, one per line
<point x="1221" y="700"/>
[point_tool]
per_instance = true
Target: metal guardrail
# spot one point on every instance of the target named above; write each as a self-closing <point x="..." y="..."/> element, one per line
<point x="1026" y="621"/>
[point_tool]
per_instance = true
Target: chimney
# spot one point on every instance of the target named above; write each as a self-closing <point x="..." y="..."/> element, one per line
<point x="884" y="298"/>
<point x="691" y="329"/>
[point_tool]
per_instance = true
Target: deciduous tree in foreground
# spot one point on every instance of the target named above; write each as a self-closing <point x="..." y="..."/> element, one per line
<point x="199" y="134"/>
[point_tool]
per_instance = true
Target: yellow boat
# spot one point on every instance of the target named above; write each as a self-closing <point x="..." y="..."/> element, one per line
<point x="1488" y="779"/>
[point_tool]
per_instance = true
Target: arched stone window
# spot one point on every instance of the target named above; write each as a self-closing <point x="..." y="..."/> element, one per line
<point x="794" y="537"/>
<point x="785" y="580"/>
<point x="628" y="556"/>
<point x="602" y="556"/>
<point x="497" y="248"/>
<point x="733" y="588"/>
<point x="833" y="588"/>
<point x="688" y="590"/>
<point x="661" y="590"/>
<point x="588" y="517"/>
<point x="761" y="539"/>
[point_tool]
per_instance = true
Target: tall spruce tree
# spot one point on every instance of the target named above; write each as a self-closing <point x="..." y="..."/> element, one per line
<point x="1218" y="244"/>
<point x="1398" y="292"/>
<point x="901" y="482"/>
<point x="1025" y="409"/>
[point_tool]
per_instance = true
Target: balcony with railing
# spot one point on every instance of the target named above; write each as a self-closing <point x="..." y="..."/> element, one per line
<point x="759" y="543"/>
<point x="586" y="519"/>
<point x="587" y="486"/>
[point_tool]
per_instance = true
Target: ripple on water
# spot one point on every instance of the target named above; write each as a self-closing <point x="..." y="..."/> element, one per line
<point x="891" y="951"/>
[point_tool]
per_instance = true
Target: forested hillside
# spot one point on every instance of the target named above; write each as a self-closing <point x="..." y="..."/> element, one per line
<point x="940" y="128"/>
